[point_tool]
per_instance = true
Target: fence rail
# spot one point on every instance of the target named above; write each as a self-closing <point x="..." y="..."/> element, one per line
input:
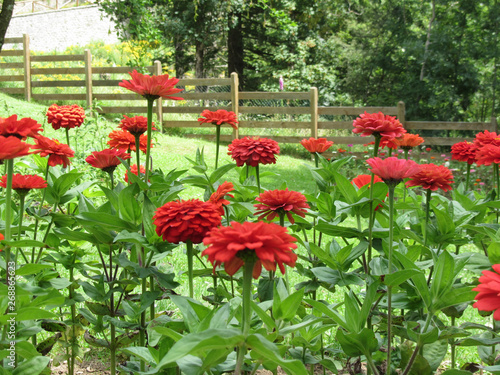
<point x="296" y="111"/>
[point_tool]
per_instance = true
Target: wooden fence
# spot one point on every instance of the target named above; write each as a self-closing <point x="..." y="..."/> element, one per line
<point x="297" y="111"/>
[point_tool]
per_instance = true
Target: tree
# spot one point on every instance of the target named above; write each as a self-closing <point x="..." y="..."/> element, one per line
<point x="5" y="15"/>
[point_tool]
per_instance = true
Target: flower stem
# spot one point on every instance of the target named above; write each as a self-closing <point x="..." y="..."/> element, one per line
<point x="217" y="142"/>
<point x="467" y="178"/>
<point x="257" y="176"/>
<point x="189" y="251"/>
<point x="67" y="135"/>
<point x="137" y="155"/>
<point x="389" y="287"/>
<point x="246" y="310"/>
<point x="20" y="226"/>
<point x="316" y="159"/>
<point x="371" y="215"/>
<point x="427" y="214"/>
<point x="8" y="214"/>
<point x="148" y="140"/>
<point x="287" y="279"/>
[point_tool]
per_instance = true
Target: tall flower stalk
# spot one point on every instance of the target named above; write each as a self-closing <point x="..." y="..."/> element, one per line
<point x="218" y="118"/>
<point x="392" y="171"/>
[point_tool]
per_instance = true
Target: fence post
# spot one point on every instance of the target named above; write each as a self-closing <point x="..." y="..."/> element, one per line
<point x="88" y="77"/>
<point x="27" y="67"/>
<point x="235" y="97"/>
<point x="157" y="69"/>
<point x="313" y="102"/>
<point x="494" y="124"/>
<point x="401" y="113"/>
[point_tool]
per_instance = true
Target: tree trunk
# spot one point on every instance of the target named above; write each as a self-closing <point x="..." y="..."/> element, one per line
<point x="5" y="16"/>
<point x="235" y="53"/>
<point x="199" y="64"/>
<point x="428" y="41"/>
<point x="179" y="56"/>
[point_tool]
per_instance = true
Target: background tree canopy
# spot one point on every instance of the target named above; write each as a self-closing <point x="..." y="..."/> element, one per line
<point x="440" y="57"/>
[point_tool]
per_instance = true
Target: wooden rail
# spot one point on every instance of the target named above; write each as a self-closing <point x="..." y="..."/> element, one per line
<point x="297" y="112"/>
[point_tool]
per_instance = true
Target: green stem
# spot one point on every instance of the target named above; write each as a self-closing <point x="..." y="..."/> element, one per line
<point x="217" y="141"/>
<point x="246" y="310"/>
<point x="67" y="136"/>
<point x="282" y="223"/>
<point x="371" y="214"/>
<point x="316" y="159"/>
<point x="38" y="213"/>
<point x="189" y="251"/>
<point x="20" y="226"/>
<point x="257" y="174"/>
<point x="112" y="180"/>
<point x="73" y="321"/>
<point x="467" y="177"/>
<point x="137" y="155"/>
<point x="8" y="214"/>
<point x="112" y="339"/>
<point x="453" y="346"/>
<point x="389" y="288"/>
<point x="148" y="145"/>
<point x="427" y="213"/>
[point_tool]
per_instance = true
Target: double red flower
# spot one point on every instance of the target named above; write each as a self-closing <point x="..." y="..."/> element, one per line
<point x="269" y="242"/>
<point x="377" y="123"/>
<point x="217" y="198"/>
<point x="23" y="128"/>
<point x="219" y="117"/>
<point x="107" y="159"/>
<point x="180" y="221"/>
<point x="58" y="153"/>
<point x="13" y="147"/>
<point x="318" y="145"/>
<point x="254" y="151"/>
<point x="276" y="202"/>
<point x="488" y="298"/>
<point x="488" y="154"/>
<point x="124" y="140"/>
<point x="152" y="87"/>
<point x="393" y="170"/>
<point x="133" y="169"/>
<point x="432" y="177"/>
<point x="136" y="125"/>
<point x="464" y="151"/>
<point x="65" y="116"/>
<point x="22" y="184"/>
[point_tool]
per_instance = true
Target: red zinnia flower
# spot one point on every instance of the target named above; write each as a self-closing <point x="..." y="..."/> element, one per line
<point x="180" y="221"/>
<point x="124" y="140"/>
<point x="219" y="117"/>
<point x="217" y="198"/>
<point x="432" y="177"/>
<point x="254" y="151"/>
<point x="488" y="298"/>
<point x="488" y="154"/>
<point x="464" y="151"/>
<point x="25" y="127"/>
<point x="486" y="138"/>
<point x="365" y="179"/>
<point x="136" y="125"/>
<point x="65" y="116"/>
<point x="393" y="170"/>
<point x="58" y="152"/>
<point x="377" y="123"/>
<point x="408" y="141"/>
<point x="13" y="147"/>
<point x="152" y="87"/>
<point x="274" y="202"/>
<point x="107" y="159"/>
<point x="133" y="169"/>
<point x="318" y="145"/>
<point x="22" y="184"/>
<point x="270" y="243"/>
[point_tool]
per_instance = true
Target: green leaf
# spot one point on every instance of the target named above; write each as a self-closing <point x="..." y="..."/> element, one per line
<point x="268" y="351"/>
<point x="34" y="366"/>
<point x="456" y="372"/>
<point x="130" y="209"/>
<point x="346" y="188"/>
<point x="141" y="353"/>
<point x="30" y="269"/>
<point x="25" y="243"/>
<point x="219" y="172"/>
<point x="200" y="342"/>
<point x="356" y="344"/>
<point x="33" y="313"/>
<point x="288" y="307"/>
<point x="338" y="231"/>
<point x="435" y="352"/>
<point x="494" y="252"/>
<point x="398" y="277"/>
<point x="443" y="277"/>
<point x="105" y="221"/>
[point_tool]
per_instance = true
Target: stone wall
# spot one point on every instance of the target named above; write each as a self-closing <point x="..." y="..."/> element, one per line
<point x="58" y="29"/>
